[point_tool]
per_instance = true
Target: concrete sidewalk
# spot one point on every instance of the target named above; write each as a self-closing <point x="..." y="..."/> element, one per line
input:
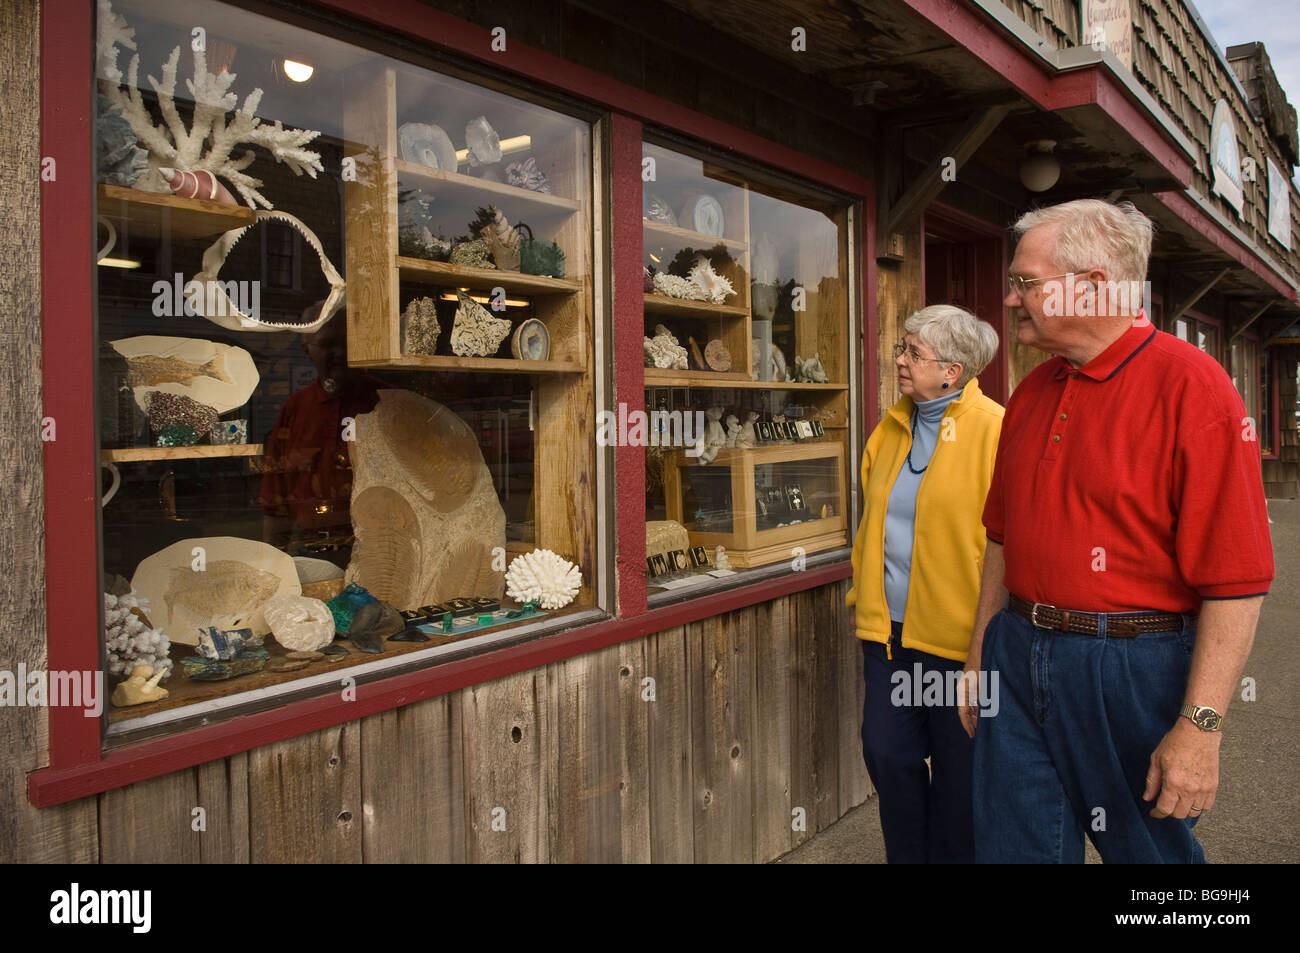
<point x="1256" y="817"/>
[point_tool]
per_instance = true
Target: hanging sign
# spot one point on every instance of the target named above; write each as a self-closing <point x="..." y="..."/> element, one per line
<point x="1279" y="205"/>
<point x="1224" y="158"/>
<point x="1108" y="25"/>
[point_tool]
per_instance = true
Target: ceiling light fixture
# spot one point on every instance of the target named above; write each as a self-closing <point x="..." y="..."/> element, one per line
<point x="298" y="72"/>
<point x="1040" y="170"/>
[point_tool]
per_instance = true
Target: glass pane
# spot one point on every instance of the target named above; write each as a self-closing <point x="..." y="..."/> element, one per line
<point x="386" y="383"/>
<point x="746" y="329"/>
<point x="1265" y="405"/>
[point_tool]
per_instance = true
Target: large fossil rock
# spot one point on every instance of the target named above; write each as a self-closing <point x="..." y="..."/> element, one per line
<point x="424" y="510"/>
<point x="476" y="333"/>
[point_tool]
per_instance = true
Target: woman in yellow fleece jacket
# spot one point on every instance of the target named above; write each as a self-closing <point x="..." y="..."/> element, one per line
<point x="917" y="559"/>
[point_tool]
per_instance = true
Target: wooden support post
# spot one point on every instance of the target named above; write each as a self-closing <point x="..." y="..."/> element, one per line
<point x="1252" y="319"/>
<point x="1194" y="297"/>
<point x="959" y="148"/>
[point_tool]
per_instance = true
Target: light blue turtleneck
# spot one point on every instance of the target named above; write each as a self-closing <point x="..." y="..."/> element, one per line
<point x="900" y="517"/>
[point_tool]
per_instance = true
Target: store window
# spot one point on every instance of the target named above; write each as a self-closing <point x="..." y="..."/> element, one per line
<point x="1200" y="333"/>
<point x="365" y="433"/>
<point x="748" y="377"/>
<point x="1245" y="377"/>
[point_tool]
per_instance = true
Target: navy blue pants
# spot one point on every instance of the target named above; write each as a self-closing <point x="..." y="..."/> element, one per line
<point x="925" y="811"/>
<point x="1068" y="751"/>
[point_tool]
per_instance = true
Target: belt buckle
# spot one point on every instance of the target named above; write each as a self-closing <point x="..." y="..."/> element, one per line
<point x="1033" y="612"/>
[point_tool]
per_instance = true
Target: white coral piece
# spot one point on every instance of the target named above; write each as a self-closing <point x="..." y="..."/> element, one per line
<point x="299" y="623"/>
<point x="112" y="31"/>
<point x="128" y="642"/>
<point x="674" y="286"/>
<point x="172" y="145"/>
<point x="663" y="350"/>
<point x="712" y="285"/>
<point x="543" y="577"/>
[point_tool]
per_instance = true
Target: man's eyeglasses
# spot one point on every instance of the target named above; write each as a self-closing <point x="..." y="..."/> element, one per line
<point x="913" y="356"/>
<point x="1021" y="285"/>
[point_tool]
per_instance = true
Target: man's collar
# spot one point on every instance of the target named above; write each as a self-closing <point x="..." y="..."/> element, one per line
<point x="1112" y="360"/>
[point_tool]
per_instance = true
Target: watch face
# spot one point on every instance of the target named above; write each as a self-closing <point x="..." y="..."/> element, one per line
<point x="1208" y="720"/>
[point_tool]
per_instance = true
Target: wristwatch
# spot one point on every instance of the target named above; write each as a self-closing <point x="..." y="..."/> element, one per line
<point x="1207" y="719"/>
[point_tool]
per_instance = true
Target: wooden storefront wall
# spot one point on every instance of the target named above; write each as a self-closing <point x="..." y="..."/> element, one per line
<point x="754" y="715"/>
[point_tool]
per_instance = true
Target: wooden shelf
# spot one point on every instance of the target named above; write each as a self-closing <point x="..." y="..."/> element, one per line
<point x="198" y="452"/>
<point x="697" y="239"/>
<point x="449" y="362"/>
<point x="171" y="214"/>
<point x="669" y="377"/>
<point x="666" y="377"/>
<point x="466" y="188"/>
<point x="482" y="279"/>
<point x="685" y="308"/>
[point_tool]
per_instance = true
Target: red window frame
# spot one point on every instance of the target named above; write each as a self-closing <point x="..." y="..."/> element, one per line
<point x="78" y="764"/>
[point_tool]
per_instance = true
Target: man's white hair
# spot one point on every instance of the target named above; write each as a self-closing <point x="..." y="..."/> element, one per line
<point x="1096" y="234"/>
<point x="956" y="335"/>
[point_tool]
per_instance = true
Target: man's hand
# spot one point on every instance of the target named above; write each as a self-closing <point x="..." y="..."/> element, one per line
<point x="993" y="596"/>
<point x="1184" y="771"/>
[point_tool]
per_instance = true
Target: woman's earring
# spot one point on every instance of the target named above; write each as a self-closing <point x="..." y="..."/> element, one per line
<point x="945" y="385"/>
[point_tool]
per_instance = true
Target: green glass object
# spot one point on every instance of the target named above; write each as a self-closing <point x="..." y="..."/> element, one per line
<point x="178" y="435"/>
<point x="446" y="622"/>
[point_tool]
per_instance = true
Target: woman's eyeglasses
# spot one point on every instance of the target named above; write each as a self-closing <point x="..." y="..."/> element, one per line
<point x="1021" y="285"/>
<point x="913" y="356"/>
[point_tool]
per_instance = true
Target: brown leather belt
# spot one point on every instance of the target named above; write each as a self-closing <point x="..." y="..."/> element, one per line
<point x="1120" y="626"/>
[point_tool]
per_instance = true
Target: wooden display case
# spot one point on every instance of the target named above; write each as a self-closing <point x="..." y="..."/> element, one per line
<point x="748" y="543"/>
<point x="381" y="280"/>
<point x="789" y="254"/>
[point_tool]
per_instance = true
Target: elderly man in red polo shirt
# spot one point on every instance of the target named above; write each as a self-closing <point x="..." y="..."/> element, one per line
<point x="1127" y="559"/>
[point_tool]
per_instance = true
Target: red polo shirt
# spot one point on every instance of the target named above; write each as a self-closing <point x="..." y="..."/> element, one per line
<point x="1130" y="483"/>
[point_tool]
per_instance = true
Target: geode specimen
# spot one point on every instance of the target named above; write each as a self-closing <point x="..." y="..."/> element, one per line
<point x="526" y="175"/>
<point x="299" y="623"/>
<point x="663" y="350"/>
<point x="168" y="410"/>
<point x="475" y="332"/>
<point x="471" y="254"/>
<point x="422" y="327"/>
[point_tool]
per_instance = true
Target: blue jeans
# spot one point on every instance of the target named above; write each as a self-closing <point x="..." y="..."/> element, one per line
<point x="1068" y="751"/>
<point x="925" y="811"/>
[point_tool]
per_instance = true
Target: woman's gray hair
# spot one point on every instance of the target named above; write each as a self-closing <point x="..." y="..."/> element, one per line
<point x="956" y="336"/>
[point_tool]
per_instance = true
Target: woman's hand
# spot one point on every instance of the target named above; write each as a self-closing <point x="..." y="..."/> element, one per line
<point x="968" y="692"/>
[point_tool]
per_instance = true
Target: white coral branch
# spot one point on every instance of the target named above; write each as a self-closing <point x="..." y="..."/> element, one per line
<point x="172" y="144"/>
<point x="112" y="31"/>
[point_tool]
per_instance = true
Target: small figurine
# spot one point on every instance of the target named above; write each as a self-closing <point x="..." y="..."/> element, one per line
<point x="747" y="439"/>
<point x="733" y="430"/>
<point x="140" y="687"/>
<point x="810" y="370"/>
<point x="720" y="560"/>
<point x="715" y="438"/>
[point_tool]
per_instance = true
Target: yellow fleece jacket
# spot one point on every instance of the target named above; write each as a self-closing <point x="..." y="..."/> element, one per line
<point x="948" y="537"/>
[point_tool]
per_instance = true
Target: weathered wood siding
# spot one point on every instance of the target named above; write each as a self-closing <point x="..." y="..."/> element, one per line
<point x="750" y="716"/>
